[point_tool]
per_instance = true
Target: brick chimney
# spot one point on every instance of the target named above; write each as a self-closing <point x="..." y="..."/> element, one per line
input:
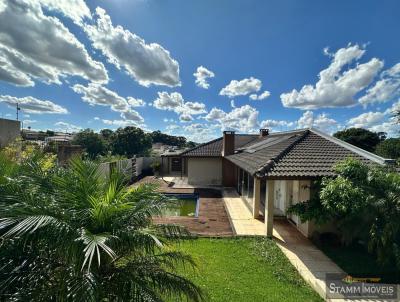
<point x="228" y="143"/>
<point x="264" y="132"/>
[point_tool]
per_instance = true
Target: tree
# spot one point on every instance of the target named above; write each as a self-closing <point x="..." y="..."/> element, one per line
<point x="72" y="235"/>
<point x="389" y="148"/>
<point x="363" y="202"/>
<point x="159" y="137"/>
<point x="131" y="141"/>
<point x="361" y="138"/>
<point x="91" y="141"/>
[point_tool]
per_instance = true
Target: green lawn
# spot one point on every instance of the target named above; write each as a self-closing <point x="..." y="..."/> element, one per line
<point x="357" y="262"/>
<point x="245" y="269"/>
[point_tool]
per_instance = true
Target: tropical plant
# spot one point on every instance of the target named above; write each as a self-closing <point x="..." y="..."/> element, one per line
<point x="364" y="203"/>
<point x="69" y="234"/>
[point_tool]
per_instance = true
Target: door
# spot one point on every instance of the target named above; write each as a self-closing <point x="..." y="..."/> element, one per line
<point x="280" y="196"/>
<point x="294" y="198"/>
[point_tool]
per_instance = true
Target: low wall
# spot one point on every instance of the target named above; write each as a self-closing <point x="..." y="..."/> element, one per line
<point x="9" y="131"/>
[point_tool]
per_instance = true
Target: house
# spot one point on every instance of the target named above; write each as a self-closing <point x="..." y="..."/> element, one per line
<point x="9" y="131"/>
<point x="270" y="171"/>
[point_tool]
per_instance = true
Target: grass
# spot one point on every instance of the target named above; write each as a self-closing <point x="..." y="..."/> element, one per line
<point x="357" y="262"/>
<point x="245" y="269"/>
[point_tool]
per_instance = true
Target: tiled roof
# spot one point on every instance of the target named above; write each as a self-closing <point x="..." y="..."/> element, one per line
<point x="214" y="147"/>
<point x="304" y="153"/>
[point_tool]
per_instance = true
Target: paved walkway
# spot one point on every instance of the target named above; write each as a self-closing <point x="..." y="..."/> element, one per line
<point x="311" y="263"/>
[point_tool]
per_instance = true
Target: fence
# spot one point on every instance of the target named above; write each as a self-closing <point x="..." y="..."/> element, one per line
<point x="132" y="167"/>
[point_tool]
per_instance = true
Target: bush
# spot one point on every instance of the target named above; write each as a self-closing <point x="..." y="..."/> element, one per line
<point x="363" y="202"/>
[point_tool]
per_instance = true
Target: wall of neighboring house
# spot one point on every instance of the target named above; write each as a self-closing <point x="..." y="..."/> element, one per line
<point x="205" y="171"/>
<point x="9" y="131"/>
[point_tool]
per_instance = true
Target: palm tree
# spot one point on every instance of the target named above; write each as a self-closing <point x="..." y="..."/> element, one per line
<point x="72" y="235"/>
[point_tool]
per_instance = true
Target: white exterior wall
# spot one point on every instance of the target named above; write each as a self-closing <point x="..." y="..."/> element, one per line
<point x="205" y="171"/>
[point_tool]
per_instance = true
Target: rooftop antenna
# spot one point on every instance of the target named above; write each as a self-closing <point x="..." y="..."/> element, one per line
<point x="18" y="109"/>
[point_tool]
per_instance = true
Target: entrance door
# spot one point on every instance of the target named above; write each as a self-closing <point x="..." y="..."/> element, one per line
<point x="294" y="198"/>
<point x="280" y="196"/>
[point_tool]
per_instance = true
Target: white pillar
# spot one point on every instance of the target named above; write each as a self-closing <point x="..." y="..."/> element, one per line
<point x="269" y="207"/>
<point x="256" y="197"/>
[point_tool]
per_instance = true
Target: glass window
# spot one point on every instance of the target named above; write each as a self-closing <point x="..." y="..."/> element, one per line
<point x="245" y="184"/>
<point x="251" y="187"/>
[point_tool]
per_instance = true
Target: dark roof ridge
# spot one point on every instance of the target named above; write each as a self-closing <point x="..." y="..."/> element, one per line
<point x="201" y="145"/>
<point x="272" y="161"/>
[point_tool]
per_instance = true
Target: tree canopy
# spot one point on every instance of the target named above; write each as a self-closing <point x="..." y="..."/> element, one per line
<point x="361" y="138"/>
<point x="91" y="141"/>
<point x="389" y="148"/>
<point x="131" y="141"/>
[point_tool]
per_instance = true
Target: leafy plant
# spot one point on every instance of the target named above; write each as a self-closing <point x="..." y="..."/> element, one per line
<point x="70" y="234"/>
<point x="364" y="203"/>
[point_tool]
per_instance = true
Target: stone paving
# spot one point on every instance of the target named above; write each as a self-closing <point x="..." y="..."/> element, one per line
<point x="212" y="220"/>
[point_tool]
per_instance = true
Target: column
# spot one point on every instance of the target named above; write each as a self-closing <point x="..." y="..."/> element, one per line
<point x="256" y="197"/>
<point x="269" y="207"/>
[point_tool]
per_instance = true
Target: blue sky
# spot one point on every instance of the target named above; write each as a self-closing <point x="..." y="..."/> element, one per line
<point x="275" y="64"/>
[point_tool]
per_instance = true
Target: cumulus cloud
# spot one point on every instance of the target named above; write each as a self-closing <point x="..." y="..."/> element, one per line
<point x="174" y="102"/>
<point x="384" y="90"/>
<point x="76" y="10"/>
<point x="337" y="85"/>
<point x="260" y="97"/>
<point x="96" y="94"/>
<point x="242" y="119"/>
<point x="378" y="121"/>
<point x="30" y="104"/>
<point x="119" y="123"/>
<point x="41" y="48"/>
<point x="201" y="75"/>
<point x="321" y="121"/>
<point x="63" y="126"/>
<point x="198" y="132"/>
<point x="277" y="124"/>
<point x="146" y="63"/>
<point x="242" y="87"/>
<point x="366" y="120"/>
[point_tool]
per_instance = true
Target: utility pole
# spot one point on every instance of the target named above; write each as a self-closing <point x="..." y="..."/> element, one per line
<point x="18" y="109"/>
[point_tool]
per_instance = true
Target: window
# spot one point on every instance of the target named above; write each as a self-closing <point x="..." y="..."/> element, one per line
<point x="176" y="164"/>
<point x="251" y="187"/>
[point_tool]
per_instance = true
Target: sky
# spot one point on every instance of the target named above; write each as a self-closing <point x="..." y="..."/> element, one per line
<point x="196" y="68"/>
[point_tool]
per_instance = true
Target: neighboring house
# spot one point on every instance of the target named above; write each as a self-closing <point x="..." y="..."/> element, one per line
<point x="160" y="148"/>
<point x="9" y="131"/>
<point x="270" y="171"/>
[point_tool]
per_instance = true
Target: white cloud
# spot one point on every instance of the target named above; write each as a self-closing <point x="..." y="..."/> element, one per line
<point x="76" y="10"/>
<point x="260" y="97"/>
<point x="29" y="122"/>
<point x="185" y="117"/>
<point x="384" y="90"/>
<point x="96" y="94"/>
<point x="200" y="132"/>
<point x="337" y="86"/>
<point x="277" y="124"/>
<point x="366" y="120"/>
<point x="96" y="118"/>
<point x="41" y="48"/>
<point x="135" y="102"/>
<point x="201" y="75"/>
<point x="233" y="104"/>
<point x="120" y="123"/>
<point x="175" y="102"/>
<point x="378" y="121"/>
<point x="63" y="126"/>
<point x="33" y="105"/>
<point x="242" y="87"/>
<point x="242" y="119"/>
<point x="146" y="63"/>
<point x="321" y="121"/>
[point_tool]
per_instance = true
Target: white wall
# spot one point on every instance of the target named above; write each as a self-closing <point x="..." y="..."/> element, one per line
<point x="205" y="171"/>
